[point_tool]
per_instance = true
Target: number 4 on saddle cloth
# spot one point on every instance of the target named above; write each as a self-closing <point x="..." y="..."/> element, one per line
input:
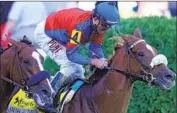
<point x="65" y="87"/>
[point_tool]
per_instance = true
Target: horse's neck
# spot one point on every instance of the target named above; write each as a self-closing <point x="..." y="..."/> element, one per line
<point x="6" y="68"/>
<point x="113" y="90"/>
<point x="6" y="91"/>
<point x="7" y="59"/>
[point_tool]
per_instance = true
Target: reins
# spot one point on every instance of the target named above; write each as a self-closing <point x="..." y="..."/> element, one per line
<point x="12" y="82"/>
<point x="147" y="77"/>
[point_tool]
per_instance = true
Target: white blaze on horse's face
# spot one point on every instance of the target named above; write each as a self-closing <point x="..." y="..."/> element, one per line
<point x="159" y="59"/>
<point x="150" y="48"/>
<point x="37" y="57"/>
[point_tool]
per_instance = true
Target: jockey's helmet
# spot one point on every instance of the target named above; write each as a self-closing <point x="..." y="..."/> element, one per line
<point x="107" y="13"/>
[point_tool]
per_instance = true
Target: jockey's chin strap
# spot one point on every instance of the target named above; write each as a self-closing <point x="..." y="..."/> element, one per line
<point x="147" y="77"/>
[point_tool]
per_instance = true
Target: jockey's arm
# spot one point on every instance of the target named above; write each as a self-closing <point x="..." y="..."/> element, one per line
<point x="96" y="50"/>
<point x="74" y="56"/>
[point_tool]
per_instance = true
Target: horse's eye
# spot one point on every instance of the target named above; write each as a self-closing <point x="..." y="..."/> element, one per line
<point x="26" y="61"/>
<point x="140" y="54"/>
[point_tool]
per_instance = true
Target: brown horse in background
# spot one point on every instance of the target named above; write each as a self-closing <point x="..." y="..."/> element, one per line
<point x="21" y="66"/>
<point x="133" y="60"/>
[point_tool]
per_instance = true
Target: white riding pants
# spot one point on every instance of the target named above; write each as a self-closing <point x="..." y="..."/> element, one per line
<point x="57" y="52"/>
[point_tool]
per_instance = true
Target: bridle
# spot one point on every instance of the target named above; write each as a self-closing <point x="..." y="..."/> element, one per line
<point x="23" y="81"/>
<point x="24" y="84"/>
<point x="147" y="76"/>
<point x="27" y="81"/>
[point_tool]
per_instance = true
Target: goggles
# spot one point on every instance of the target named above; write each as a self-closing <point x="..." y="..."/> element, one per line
<point x="105" y="25"/>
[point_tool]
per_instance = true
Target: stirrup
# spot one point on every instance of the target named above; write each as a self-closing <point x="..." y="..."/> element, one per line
<point x="58" y="81"/>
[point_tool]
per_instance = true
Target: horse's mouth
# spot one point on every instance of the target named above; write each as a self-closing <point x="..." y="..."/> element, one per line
<point x="164" y="85"/>
<point x="168" y="87"/>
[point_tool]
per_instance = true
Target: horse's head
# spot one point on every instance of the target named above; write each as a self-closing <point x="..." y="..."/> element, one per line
<point x="143" y="61"/>
<point x="25" y="69"/>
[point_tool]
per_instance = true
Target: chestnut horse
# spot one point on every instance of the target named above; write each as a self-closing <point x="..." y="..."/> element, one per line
<point x="21" y="66"/>
<point x="133" y="60"/>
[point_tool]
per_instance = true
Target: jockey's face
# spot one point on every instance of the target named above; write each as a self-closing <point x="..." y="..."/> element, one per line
<point x="101" y="27"/>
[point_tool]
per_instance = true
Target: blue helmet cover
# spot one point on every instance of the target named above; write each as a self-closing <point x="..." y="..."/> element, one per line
<point x="107" y="13"/>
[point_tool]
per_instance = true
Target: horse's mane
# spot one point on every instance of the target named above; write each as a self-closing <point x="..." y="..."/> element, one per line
<point x="97" y="75"/>
<point x="100" y="73"/>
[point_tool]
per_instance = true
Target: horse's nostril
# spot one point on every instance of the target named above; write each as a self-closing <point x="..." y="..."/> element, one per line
<point x="169" y="77"/>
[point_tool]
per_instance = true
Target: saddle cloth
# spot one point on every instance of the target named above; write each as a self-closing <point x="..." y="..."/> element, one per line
<point x="22" y="103"/>
<point x="66" y="95"/>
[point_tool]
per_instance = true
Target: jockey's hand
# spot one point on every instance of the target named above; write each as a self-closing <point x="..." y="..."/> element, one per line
<point x="99" y="63"/>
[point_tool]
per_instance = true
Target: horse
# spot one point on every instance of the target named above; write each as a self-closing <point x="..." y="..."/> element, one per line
<point x="111" y="88"/>
<point x="21" y="67"/>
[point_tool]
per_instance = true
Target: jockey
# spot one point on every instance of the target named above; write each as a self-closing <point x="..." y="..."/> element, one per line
<point x="61" y="34"/>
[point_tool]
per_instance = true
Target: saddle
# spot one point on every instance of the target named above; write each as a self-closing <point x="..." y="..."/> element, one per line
<point x="65" y="88"/>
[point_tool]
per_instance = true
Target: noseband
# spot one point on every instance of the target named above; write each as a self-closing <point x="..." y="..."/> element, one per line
<point x="146" y="76"/>
<point x="24" y="84"/>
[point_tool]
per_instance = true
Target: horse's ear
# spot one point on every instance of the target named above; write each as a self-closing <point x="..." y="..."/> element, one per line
<point x="13" y="42"/>
<point x="137" y="33"/>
